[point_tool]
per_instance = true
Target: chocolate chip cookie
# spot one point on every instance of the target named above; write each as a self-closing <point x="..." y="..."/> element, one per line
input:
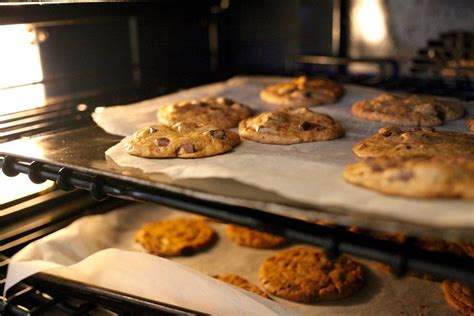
<point x="302" y="92"/>
<point x="175" y="237"/>
<point x="408" y="110"/>
<point x="305" y="274"/>
<point x="182" y="140"/>
<point x="470" y="123"/>
<point x="247" y="237"/>
<point x="425" y="177"/>
<point x="459" y="296"/>
<point x="219" y="112"/>
<point x="286" y="127"/>
<point x="242" y="283"/>
<point x="392" y="141"/>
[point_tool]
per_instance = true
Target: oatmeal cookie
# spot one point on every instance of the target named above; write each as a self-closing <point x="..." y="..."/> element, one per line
<point x="392" y="141"/>
<point x="459" y="297"/>
<point x="470" y="123"/>
<point x="175" y="237"/>
<point x="305" y="274"/>
<point x="247" y="237"/>
<point x="182" y="140"/>
<point x="424" y="177"/>
<point x="302" y="92"/>
<point x="409" y="110"/>
<point x="220" y="112"/>
<point x="242" y="283"/>
<point x="287" y="127"/>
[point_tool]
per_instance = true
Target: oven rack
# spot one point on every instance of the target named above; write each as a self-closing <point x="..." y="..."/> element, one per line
<point x="335" y="240"/>
<point x="45" y="294"/>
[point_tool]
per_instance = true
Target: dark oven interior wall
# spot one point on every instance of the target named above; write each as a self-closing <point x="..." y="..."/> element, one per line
<point x="263" y="36"/>
<point x="174" y="48"/>
<point x="105" y="46"/>
<point x="92" y="45"/>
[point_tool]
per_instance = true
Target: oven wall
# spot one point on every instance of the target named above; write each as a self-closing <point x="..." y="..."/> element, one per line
<point x="404" y="27"/>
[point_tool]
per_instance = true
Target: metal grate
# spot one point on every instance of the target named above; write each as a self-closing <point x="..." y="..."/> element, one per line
<point x="402" y="257"/>
<point x="451" y="57"/>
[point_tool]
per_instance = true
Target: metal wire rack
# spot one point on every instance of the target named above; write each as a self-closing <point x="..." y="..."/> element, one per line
<point x="401" y="257"/>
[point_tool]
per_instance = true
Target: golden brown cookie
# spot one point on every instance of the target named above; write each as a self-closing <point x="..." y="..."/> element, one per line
<point x="468" y="248"/>
<point x="305" y="274"/>
<point x="242" y="283"/>
<point x="432" y="177"/>
<point x="219" y="112"/>
<point x="409" y="110"/>
<point x="290" y="127"/>
<point x="459" y="297"/>
<point x="247" y="237"/>
<point x="182" y="140"/>
<point x="470" y="123"/>
<point x="174" y="237"/>
<point x="392" y="141"/>
<point x="327" y="223"/>
<point x="302" y="92"/>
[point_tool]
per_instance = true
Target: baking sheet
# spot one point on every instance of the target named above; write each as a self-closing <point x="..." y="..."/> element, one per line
<point x="309" y="173"/>
<point x="91" y="238"/>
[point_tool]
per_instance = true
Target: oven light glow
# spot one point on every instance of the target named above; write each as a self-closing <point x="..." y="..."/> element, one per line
<point x="370" y="21"/>
<point x="20" y="66"/>
<point x="19" y="186"/>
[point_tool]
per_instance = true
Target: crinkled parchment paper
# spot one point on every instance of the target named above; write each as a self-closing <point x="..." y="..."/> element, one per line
<point x="83" y="251"/>
<point x="309" y="173"/>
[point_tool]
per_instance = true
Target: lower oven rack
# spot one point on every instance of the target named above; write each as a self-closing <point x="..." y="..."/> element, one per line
<point x="42" y="294"/>
<point x="401" y="257"/>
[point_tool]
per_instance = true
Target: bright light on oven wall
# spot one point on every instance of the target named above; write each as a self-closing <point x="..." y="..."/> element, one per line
<point x="20" y="69"/>
<point x="369" y="33"/>
<point x="20" y="89"/>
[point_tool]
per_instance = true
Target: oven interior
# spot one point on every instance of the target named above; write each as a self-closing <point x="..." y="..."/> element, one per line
<point x="79" y="56"/>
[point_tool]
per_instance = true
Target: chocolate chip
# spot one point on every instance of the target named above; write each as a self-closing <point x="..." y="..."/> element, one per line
<point x="188" y="148"/>
<point x="376" y="168"/>
<point x="163" y="141"/>
<point x="306" y="126"/>
<point x="389" y="131"/>
<point x="226" y="101"/>
<point x="441" y="115"/>
<point x="308" y="94"/>
<point x="152" y="130"/>
<point x="219" y="134"/>
<point x="402" y="146"/>
<point x="406" y="175"/>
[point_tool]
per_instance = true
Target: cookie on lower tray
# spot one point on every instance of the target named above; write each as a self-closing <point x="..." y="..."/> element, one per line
<point x="305" y="274"/>
<point x="423" y="177"/>
<point x="302" y="92"/>
<point x="175" y="237"/>
<point x="459" y="296"/>
<point x="409" y="110"/>
<point x="392" y="141"/>
<point x="241" y="282"/>
<point x="219" y="112"/>
<point x="286" y="127"/>
<point x="468" y="248"/>
<point x="247" y="237"/>
<point x="470" y="123"/>
<point x="182" y="140"/>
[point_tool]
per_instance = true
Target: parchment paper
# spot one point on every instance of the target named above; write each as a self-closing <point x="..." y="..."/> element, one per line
<point x="82" y="251"/>
<point x="309" y="173"/>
